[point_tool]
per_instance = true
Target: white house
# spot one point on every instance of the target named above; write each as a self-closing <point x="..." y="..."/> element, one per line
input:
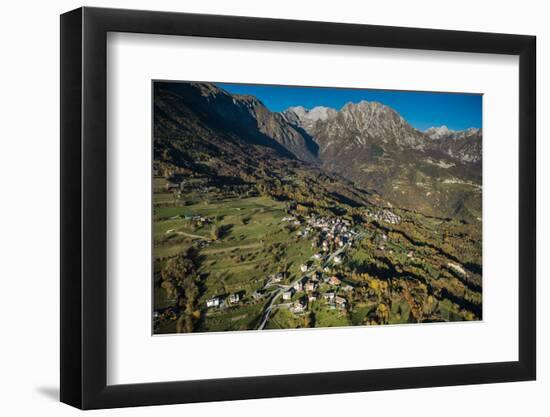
<point x="297" y="307"/>
<point x="340" y="301"/>
<point x="337" y="259"/>
<point x="333" y="280"/>
<point x="172" y="186"/>
<point x="347" y="288"/>
<point x="278" y="277"/>
<point x="303" y="268"/>
<point x="287" y="295"/>
<point x="234" y="298"/>
<point x="329" y="296"/>
<point x="213" y="302"/>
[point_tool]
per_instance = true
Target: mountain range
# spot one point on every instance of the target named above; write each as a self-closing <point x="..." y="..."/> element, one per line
<point x="436" y="172"/>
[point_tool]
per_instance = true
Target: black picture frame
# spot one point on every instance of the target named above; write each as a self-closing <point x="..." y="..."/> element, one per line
<point x="84" y="207"/>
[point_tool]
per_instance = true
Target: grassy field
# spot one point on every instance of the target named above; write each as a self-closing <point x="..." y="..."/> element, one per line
<point x="325" y="316"/>
<point x="284" y="319"/>
<point x="238" y="318"/>
<point x="245" y="256"/>
<point x="254" y="244"/>
<point x="319" y="315"/>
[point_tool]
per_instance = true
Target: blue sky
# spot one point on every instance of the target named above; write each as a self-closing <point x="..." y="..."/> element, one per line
<point x="421" y="109"/>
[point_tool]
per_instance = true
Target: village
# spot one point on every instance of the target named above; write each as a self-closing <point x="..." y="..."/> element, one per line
<point x="319" y="281"/>
<point x="385" y="215"/>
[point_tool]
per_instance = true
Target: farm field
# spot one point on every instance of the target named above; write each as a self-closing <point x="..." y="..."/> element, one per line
<point x="252" y="244"/>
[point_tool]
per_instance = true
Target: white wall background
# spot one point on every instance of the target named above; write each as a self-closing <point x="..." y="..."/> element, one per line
<point x="29" y="225"/>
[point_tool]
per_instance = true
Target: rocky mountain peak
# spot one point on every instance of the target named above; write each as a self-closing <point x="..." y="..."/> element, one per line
<point x="247" y="101"/>
<point x="299" y="111"/>
<point x="305" y="118"/>
<point x="321" y="113"/>
<point x="444" y="133"/>
<point x="464" y="145"/>
<point x="473" y="131"/>
<point x="368" y="122"/>
<point x="438" y="132"/>
<point x="371" y="113"/>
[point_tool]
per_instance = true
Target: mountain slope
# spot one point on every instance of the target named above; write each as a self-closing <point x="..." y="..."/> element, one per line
<point x="436" y="173"/>
<point x="204" y="132"/>
<point x="465" y="145"/>
<point x="237" y="115"/>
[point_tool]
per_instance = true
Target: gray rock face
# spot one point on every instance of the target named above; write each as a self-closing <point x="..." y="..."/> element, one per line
<point x="307" y="118"/>
<point x="464" y="145"/>
<point x="245" y="116"/>
<point x="357" y="125"/>
<point x="435" y="172"/>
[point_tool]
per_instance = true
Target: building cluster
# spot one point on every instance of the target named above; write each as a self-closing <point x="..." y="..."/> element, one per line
<point x="309" y="290"/>
<point x="179" y="186"/>
<point x="333" y="232"/>
<point x="221" y="301"/>
<point x="385" y="215"/>
<point x="182" y="188"/>
<point x="192" y="217"/>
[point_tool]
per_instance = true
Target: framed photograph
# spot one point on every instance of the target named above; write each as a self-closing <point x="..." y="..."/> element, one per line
<point x="257" y="208"/>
